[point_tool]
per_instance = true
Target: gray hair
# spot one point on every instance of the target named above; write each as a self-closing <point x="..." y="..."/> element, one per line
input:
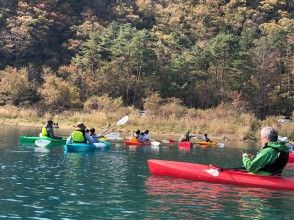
<point x="269" y="133"/>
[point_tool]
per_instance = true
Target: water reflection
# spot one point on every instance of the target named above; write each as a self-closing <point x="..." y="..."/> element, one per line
<point x="218" y="200"/>
<point x="116" y="185"/>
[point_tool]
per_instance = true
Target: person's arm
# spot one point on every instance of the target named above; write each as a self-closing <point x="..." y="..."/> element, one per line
<point x="264" y="157"/>
<point x="89" y="139"/>
<point x="182" y="138"/>
<point x="51" y="133"/>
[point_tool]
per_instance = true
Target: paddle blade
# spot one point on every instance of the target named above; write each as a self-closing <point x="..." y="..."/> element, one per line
<point x="221" y="145"/>
<point x="123" y="120"/>
<point x="42" y="143"/>
<point x="42" y="150"/>
<point x="155" y="143"/>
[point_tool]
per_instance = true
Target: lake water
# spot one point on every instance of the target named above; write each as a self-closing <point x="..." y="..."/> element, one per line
<point x="116" y="184"/>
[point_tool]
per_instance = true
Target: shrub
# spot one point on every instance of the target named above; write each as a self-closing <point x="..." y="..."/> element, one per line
<point x="103" y="103"/>
<point x="153" y="103"/>
<point x="15" y="87"/>
<point x="173" y="107"/>
<point x="59" y="94"/>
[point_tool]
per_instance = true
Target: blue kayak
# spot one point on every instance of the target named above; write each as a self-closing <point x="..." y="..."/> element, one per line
<point x="81" y="147"/>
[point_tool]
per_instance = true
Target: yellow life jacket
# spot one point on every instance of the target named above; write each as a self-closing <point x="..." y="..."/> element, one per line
<point x="133" y="139"/>
<point x="44" y="132"/>
<point x="78" y="137"/>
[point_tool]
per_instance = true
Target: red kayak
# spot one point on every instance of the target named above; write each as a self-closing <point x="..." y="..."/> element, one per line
<point x="291" y="158"/>
<point x="213" y="174"/>
<point x="137" y="143"/>
<point x="185" y="144"/>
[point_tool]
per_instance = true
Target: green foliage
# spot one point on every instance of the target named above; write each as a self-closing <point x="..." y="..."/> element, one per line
<point x="202" y="52"/>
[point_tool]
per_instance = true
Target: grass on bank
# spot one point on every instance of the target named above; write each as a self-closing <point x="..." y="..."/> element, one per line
<point x="222" y="122"/>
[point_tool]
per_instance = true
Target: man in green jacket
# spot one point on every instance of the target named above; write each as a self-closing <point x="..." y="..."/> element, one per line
<point x="272" y="157"/>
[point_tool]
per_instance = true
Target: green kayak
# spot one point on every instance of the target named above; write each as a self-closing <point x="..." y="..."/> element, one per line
<point x="28" y="140"/>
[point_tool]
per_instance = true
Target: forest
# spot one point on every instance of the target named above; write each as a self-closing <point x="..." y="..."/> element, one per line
<point x="67" y="54"/>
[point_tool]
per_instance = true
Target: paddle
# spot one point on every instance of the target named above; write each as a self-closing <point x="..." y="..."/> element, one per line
<point x="122" y="121"/>
<point x="41" y="146"/>
<point x="42" y="143"/>
<point x="155" y="143"/>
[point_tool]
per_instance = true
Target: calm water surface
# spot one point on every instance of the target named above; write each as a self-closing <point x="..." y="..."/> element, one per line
<point x="116" y="184"/>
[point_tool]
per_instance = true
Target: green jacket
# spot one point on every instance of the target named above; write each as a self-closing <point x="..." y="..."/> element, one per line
<point x="267" y="155"/>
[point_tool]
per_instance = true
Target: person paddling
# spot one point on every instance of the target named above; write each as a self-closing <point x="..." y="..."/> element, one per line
<point x="79" y="135"/>
<point x="206" y="139"/>
<point x="142" y="137"/>
<point x="94" y="136"/>
<point x="146" y="135"/>
<point x="186" y="137"/>
<point x="135" y="135"/>
<point x="47" y="130"/>
<point x="272" y="157"/>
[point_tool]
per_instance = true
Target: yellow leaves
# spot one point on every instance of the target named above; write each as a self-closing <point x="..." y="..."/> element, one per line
<point x="273" y="2"/>
<point x="201" y="10"/>
<point x="144" y="4"/>
<point x="283" y="13"/>
<point x="269" y="5"/>
<point x="234" y="3"/>
<point x="271" y="27"/>
<point x="58" y="93"/>
<point x="286" y="23"/>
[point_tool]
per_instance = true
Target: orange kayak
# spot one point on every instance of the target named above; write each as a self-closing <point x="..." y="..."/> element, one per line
<point x="136" y="142"/>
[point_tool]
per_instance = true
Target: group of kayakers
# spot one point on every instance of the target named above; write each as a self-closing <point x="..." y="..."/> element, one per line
<point x="81" y="134"/>
<point x="140" y="136"/>
<point x="188" y="137"/>
<point x="269" y="160"/>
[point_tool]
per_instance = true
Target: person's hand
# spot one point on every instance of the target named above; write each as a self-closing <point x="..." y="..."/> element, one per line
<point x="245" y="154"/>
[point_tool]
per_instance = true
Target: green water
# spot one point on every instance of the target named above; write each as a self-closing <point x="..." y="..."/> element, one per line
<point x="116" y="184"/>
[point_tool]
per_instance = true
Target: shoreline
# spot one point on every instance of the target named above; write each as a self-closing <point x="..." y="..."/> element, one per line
<point x="219" y="124"/>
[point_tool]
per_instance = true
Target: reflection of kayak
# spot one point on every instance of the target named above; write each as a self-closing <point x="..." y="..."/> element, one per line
<point x="81" y="147"/>
<point x="212" y="174"/>
<point x="185" y="144"/>
<point x="207" y="143"/>
<point x="291" y="158"/>
<point x="137" y="143"/>
<point x="28" y="140"/>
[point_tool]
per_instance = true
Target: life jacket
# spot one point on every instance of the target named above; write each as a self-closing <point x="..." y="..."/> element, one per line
<point x="276" y="167"/>
<point x="78" y="137"/>
<point x="133" y="139"/>
<point x="44" y="132"/>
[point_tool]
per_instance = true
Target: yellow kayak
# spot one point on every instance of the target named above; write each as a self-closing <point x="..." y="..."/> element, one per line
<point x="103" y="139"/>
<point x="207" y="143"/>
